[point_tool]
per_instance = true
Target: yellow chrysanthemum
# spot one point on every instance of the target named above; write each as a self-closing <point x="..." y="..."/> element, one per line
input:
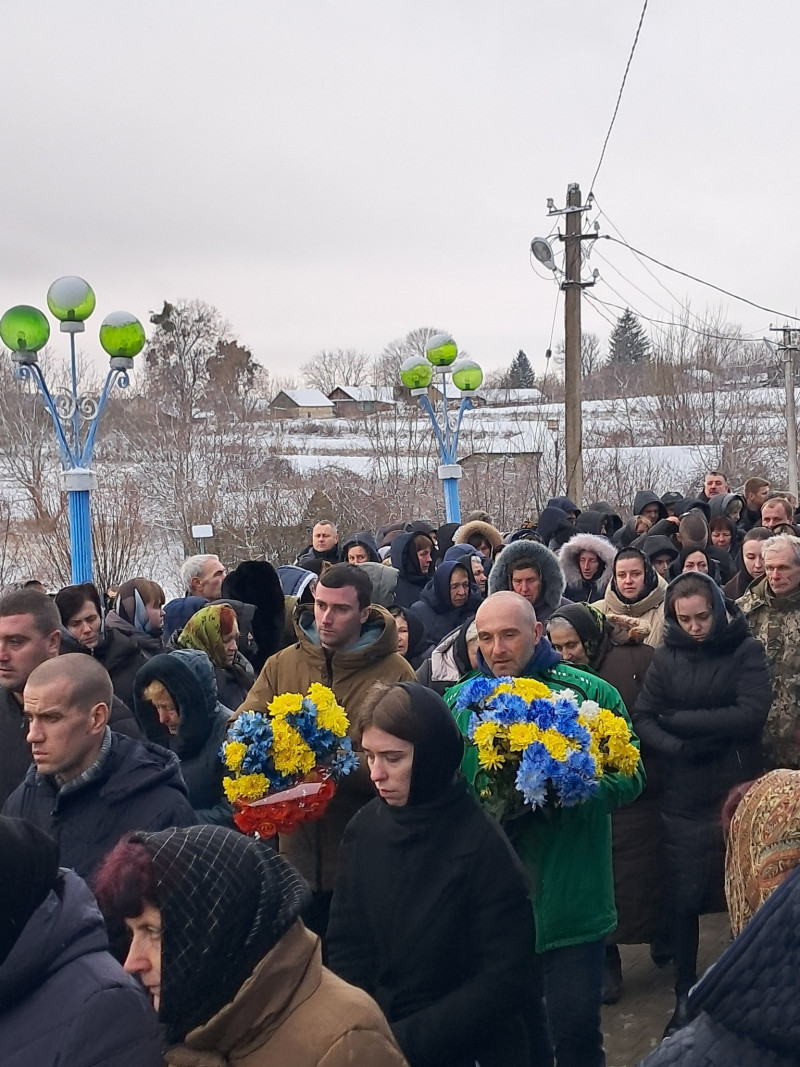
<point x="504" y="687"/>
<point x="285" y="704"/>
<point x="556" y="744"/>
<point x="290" y="753"/>
<point x="234" y="754"/>
<point x="522" y="734"/>
<point x="529" y="689"/>
<point x="333" y="718"/>
<point x="490" y="758"/>
<point x="322" y="696"/>
<point x="246" y="787"/>
<point x="486" y="734"/>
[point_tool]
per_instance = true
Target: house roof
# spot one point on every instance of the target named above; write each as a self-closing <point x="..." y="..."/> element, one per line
<point x="366" y="393"/>
<point x="306" y="398"/>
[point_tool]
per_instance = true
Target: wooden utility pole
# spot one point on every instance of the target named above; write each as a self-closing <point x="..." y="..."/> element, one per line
<point x="573" y="430"/>
<point x="791" y="419"/>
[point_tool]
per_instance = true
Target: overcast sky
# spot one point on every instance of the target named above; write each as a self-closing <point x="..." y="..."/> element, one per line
<point x="335" y="173"/>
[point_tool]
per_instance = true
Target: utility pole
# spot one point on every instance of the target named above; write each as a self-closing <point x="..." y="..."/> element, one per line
<point x="788" y="349"/>
<point x="573" y="429"/>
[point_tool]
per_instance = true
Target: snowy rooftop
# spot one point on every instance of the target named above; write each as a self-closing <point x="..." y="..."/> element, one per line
<point x="306" y="398"/>
<point x="366" y="393"/>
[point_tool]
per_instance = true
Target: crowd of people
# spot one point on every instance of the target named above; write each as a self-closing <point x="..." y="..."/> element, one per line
<point x="407" y="925"/>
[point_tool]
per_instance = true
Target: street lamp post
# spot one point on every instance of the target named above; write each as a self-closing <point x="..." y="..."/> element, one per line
<point x="416" y="374"/>
<point x="25" y="331"/>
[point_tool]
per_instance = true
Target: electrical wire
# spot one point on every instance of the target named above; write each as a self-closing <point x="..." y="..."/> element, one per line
<point x="701" y="281"/>
<point x="665" y="322"/>
<point x="619" y="97"/>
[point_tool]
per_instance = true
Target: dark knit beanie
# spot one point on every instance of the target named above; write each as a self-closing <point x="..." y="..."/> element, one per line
<point x="28" y="871"/>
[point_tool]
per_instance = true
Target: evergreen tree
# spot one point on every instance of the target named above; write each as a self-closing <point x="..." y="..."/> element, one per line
<point x="628" y="343"/>
<point x="520" y="374"/>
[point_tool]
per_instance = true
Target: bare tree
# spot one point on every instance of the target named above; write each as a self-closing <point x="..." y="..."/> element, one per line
<point x="386" y="366"/>
<point x="332" y="367"/>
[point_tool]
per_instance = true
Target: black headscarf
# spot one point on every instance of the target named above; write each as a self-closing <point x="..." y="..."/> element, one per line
<point x="225" y="901"/>
<point x="650" y="575"/>
<point x="28" y="871"/>
<point x="438" y="745"/>
<point x="588" y="623"/>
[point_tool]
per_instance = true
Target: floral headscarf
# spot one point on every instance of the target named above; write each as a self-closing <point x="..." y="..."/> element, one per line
<point x="204" y="632"/>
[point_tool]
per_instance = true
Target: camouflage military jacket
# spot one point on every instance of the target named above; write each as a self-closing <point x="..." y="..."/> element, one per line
<point x="775" y="621"/>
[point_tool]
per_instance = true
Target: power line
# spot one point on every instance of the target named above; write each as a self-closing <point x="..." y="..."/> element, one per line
<point x="701" y="281"/>
<point x="619" y="97"/>
<point x="665" y="322"/>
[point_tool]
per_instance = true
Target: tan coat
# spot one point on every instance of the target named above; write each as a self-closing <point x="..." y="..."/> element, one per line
<point x="650" y="610"/>
<point x="292" y="1012"/>
<point x="313" y="847"/>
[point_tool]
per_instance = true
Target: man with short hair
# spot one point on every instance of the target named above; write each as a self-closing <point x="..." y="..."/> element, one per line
<point x="772" y="609"/>
<point x="756" y="491"/>
<point x="30" y="634"/>
<point x="347" y="643"/>
<point x="324" y="543"/>
<point x="776" y="510"/>
<point x="88" y="785"/>
<point x="714" y="484"/>
<point x="203" y="575"/>
<point x="568" y="852"/>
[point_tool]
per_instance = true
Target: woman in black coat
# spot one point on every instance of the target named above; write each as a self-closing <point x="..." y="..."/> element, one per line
<point x="700" y="714"/>
<point x="430" y="914"/>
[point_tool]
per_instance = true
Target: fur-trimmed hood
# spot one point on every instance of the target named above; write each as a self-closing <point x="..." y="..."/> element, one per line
<point x="491" y="533"/>
<point x="553" y="581"/>
<point x="584" y="542"/>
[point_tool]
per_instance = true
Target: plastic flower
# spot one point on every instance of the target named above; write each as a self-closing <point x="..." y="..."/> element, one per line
<point x="234" y="754"/>
<point x="286" y="704"/>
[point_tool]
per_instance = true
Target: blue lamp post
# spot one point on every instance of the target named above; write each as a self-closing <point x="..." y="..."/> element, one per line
<point x="25" y="331"/>
<point x="416" y="374"/>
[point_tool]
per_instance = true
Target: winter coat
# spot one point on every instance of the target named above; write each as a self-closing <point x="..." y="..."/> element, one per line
<point x="491" y="533"/>
<point x="775" y="622"/>
<point x="613" y="520"/>
<point x="64" y="1000"/>
<point x="138" y="786"/>
<point x="435" y="608"/>
<point x="420" y="645"/>
<point x="645" y="497"/>
<point x="700" y="716"/>
<point x="565" y="504"/>
<point x="15" y="752"/>
<point x="637" y="845"/>
<point x="410" y="579"/>
<point x="567" y="851"/>
<point x="292" y="1012"/>
<point x="657" y="545"/>
<point x="448" y="663"/>
<point x="177" y="613"/>
<point x="591" y="522"/>
<point x="737" y="586"/>
<point x="121" y="657"/>
<point x="365" y="540"/>
<point x="147" y="644"/>
<point x="294" y="579"/>
<point x="650" y="610"/>
<point x="310" y="555"/>
<point x="256" y="582"/>
<point x="350" y="673"/>
<point x="677" y="565"/>
<point x="554" y="528"/>
<point x="189" y="678"/>
<point x="553" y="583"/>
<point x="746" y="1009"/>
<point x="578" y="589"/>
<point x="431" y="917"/>
<point x="384" y="583"/>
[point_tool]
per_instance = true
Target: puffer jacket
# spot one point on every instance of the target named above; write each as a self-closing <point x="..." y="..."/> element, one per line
<point x="188" y="676"/>
<point x="350" y="673"/>
<point x="553" y="582"/>
<point x="448" y="663"/>
<point x="384" y="583"/>
<point x="292" y="1011"/>
<point x="64" y="1000"/>
<point x="435" y="607"/>
<point x="746" y="1008"/>
<point x="578" y="589"/>
<point x="775" y="622"/>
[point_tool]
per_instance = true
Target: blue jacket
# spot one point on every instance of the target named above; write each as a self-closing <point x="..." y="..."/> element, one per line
<point x="188" y="676"/>
<point x="64" y="1000"/>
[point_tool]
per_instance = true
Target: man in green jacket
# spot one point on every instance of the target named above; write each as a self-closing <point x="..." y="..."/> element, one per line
<point x="567" y="851"/>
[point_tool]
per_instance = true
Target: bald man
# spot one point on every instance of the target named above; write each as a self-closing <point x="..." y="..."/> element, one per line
<point x="568" y="854"/>
<point x="88" y="786"/>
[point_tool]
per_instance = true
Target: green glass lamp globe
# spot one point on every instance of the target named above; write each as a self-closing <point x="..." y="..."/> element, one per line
<point x="71" y="299"/>
<point x="416" y="373"/>
<point x="467" y="376"/>
<point x="441" y="350"/>
<point x="24" y="329"/>
<point x="121" y="334"/>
